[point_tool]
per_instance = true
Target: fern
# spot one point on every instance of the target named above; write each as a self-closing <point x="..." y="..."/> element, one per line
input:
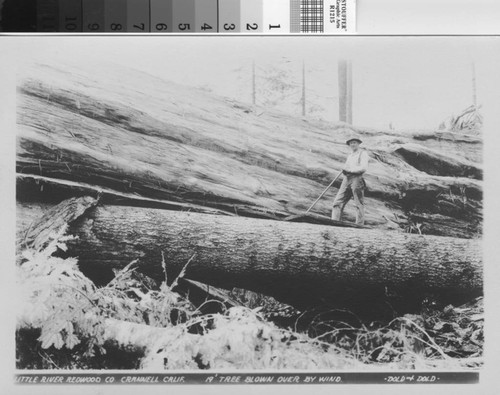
<point x="68" y="308"/>
<point x="57" y="298"/>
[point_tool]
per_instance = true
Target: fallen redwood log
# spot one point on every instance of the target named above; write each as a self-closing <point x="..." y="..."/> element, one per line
<point x="227" y="156"/>
<point x="303" y="265"/>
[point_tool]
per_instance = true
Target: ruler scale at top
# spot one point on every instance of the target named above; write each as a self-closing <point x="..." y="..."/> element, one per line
<point x="161" y="16"/>
<point x="191" y="16"/>
<point x="206" y="16"/>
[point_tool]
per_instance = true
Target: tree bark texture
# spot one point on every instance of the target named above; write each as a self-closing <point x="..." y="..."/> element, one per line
<point x="303" y="265"/>
<point x="40" y="232"/>
<point x="204" y="150"/>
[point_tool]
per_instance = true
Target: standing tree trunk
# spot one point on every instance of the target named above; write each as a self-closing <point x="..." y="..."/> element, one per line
<point x="345" y="91"/>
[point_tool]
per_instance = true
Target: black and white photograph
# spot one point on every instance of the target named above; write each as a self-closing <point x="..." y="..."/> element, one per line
<point x="264" y="206"/>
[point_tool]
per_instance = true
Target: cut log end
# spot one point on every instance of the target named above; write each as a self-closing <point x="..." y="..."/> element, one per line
<point x="55" y="219"/>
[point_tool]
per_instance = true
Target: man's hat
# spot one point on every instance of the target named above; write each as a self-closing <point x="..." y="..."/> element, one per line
<point x="353" y="138"/>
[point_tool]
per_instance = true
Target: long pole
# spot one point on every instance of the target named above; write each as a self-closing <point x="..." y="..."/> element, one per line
<point x="320" y="196"/>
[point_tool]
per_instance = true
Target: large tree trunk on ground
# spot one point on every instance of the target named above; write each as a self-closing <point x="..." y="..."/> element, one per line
<point x="303" y="265"/>
<point x="204" y="150"/>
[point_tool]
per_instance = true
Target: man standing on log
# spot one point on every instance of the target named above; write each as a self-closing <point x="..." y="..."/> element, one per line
<point x="353" y="184"/>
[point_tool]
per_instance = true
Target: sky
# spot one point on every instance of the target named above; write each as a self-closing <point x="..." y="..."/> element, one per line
<point x="409" y="82"/>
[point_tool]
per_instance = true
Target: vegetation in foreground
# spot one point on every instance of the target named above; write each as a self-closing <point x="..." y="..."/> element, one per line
<point x="66" y="322"/>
